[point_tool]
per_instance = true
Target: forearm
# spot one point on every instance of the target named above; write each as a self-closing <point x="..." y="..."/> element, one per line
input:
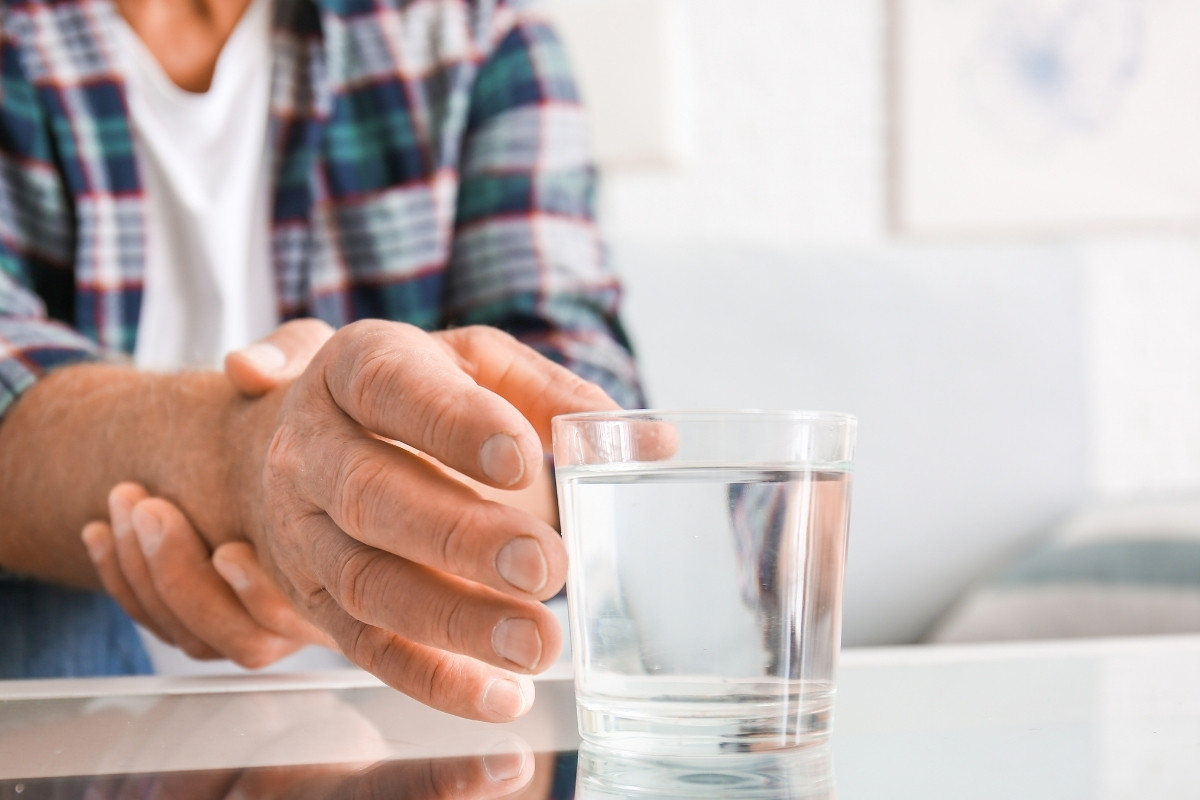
<point x="82" y="429"/>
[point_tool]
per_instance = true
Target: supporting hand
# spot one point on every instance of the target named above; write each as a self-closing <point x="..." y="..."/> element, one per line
<point x="154" y="563"/>
<point x="158" y="568"/>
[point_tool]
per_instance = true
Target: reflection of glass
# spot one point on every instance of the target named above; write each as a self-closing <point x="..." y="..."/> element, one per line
<point x="706" y="575"/>
<point x="801" y="774"/>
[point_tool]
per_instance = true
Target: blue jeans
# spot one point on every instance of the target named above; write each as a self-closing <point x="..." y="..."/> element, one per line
<point x="48" y="631"/>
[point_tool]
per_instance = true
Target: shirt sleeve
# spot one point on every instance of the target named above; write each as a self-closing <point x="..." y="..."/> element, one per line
<point x="527" y="256"/>
<point x="35" y="240"/>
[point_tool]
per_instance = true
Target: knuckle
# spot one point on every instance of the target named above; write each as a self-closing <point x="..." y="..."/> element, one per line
<point x="441" y="682"/>
<point x="368" y="376"/>
<point x="440" y="418"/>
<point x="284" y="453"/>
<point x="358" y="580"/>
<point x="451" y="624"/>
<point x="363" y="352"/>
<point x="359" y="491"/>
<point x="461" y="542"/>
<point x="367" y="649"/>
<point x="317" y="603"/>
<point x="438" y="427"/>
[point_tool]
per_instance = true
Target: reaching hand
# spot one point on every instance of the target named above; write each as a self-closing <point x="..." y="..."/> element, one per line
<point x="418" y="579"/>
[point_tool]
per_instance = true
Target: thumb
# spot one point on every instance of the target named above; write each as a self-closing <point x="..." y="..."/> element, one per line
<point x="284" y="354"/>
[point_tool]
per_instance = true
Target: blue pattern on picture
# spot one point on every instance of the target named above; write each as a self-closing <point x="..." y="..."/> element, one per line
<point x="1041" y="77"/>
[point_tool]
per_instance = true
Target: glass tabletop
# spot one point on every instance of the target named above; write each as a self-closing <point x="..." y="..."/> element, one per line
<point x="1083" y="719"/>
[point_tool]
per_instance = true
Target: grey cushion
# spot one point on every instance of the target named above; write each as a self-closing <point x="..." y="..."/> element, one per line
<point x="1112" y="569"/>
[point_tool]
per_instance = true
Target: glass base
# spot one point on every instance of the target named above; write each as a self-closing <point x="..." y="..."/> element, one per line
<point x="699" y="730"/>
<point x="796" y="774"/>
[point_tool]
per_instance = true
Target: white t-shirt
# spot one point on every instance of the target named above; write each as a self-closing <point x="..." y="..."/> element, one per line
<point x="209" y="287"/>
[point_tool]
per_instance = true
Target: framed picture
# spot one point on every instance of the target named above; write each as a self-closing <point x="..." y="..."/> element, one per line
<point x="1044" y="115"/>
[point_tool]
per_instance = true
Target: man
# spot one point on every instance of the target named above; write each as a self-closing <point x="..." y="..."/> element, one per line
<point x="424" y="165"/>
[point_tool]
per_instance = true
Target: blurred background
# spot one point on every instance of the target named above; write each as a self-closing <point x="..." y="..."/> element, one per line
<point x="974" y="224"/>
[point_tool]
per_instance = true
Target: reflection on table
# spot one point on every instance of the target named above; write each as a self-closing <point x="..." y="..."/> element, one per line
<point x="1080" y="720"/>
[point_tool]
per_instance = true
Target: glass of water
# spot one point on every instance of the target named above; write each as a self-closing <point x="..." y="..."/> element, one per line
<point x="705" y="581"/>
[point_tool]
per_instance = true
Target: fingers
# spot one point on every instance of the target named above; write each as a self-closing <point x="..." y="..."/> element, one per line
<point x="238" y="566"/>
<point x="446" y="396"/>
<point x="260" y="367"/>
<point x="393" y="500"/>
<point x="418" y="579"/>
<point x="101" y="547"/>
<point x="536" y="386"/>
<point x="428" y="607"/>
<point x="132" y="563"/>
<point x="451" y="682"/>
<point x="154" y="564"/>
<point x="197" y="596"/>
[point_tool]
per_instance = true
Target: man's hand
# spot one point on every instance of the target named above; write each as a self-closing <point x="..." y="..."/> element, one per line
<point x="416" y="577"/>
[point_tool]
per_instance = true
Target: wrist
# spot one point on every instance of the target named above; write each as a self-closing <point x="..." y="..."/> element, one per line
<point x="249" y="427"/>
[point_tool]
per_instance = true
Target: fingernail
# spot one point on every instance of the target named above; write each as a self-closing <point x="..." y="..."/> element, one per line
<point x="501" y="460"/>
<point x="96" y="545"/>
<point x="504" y="698"/>
<point x="518" y="641"/>
<point x="232" y="573"/>
<point x="503" y="765"/>
<point x="118" y="511"/>
<point x="148" y="529"/>
<point x="521" y="563"/>
<point x="265" y="357"/>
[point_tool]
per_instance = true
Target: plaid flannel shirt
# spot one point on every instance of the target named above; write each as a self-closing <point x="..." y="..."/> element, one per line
<point x="430" y="166"/>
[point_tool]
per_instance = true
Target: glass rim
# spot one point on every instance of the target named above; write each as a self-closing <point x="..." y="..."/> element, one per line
<point x="709" y="414"/>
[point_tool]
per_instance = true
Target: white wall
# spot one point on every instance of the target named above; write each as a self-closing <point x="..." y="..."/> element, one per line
<point x="786" y="124"/>
<point x="1143" y="340"/>
<point x="787" y="118"/>
<point x="789" y="135"/>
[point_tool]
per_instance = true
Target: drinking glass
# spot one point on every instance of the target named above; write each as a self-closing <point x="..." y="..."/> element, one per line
<point x="706" y="553"/>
